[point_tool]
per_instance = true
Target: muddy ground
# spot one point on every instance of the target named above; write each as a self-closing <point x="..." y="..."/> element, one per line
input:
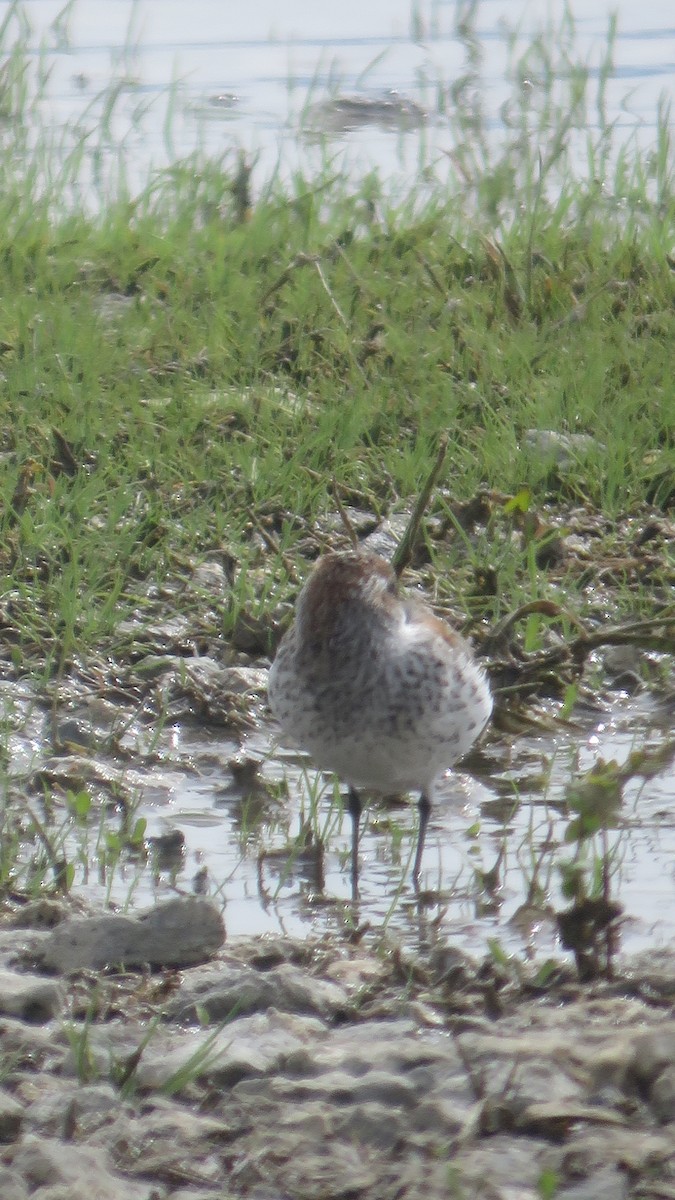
<point x="272" y="1068"/>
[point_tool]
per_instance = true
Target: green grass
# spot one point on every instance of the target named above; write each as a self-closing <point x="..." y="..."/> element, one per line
<point x="184" y="380"/>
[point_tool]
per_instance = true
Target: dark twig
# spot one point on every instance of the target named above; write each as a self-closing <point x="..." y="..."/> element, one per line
<point x="404" y="550"/>
<point x="59" y="865"/>
<point x="344" y="516"/>
<point x="547" y="608"/>
<point x="632" y="633"/>
<point x="273" y="545"/>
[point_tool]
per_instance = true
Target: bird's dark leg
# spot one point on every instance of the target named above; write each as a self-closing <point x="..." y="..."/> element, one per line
<point x="355" y="814"/>
<point x="424" y="806"/>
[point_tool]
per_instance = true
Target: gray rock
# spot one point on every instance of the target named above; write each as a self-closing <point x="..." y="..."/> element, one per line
<point x="17" y="945"/>
<point x="654" y="969"/>
<point x="11" y="1185"/>
<point x="607" y="1184"/>
<point x="250" y="1046"/>
<point x="341" y="1089"/>
<point x="663" y="1096"/>
<point x="29" y="997"/>
<point x="44" y="913"/>
<point x="375" y="1045"/>
<point x="75" y="734"/>
<point x="562" y="448"/>
<point x="209" y="679"/>
<point x="176" y="934"/>
<point x="11" y="1118"/>
<point x="210" y="577"/>
<point x="201" y="1194"/>
<point x="634" y="1150"/>
<point x="372" y="1123"/>
<point x="167" y="1141"/>
<point x="238" y="990"/>
<point x="646" y="1070"/>
<point x="652" y="1053"/>
<point x="59" y="1100"/>
<point x="443" y="1118"/>
<point x="386" y="538"/>
<point x="332" y="1169"/>
<point x="71" y="1172"/>
<point x="25" y="1042"/>
<point x="553" y="1118"/>
<point x="496" y="1168"/>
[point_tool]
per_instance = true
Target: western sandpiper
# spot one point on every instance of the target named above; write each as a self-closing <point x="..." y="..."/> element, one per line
<point x="375" y="687"/>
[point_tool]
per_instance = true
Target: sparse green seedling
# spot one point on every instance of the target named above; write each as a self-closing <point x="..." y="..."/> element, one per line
<point x="84" y="1059"/>
<point x="123" y="1071"/>
<point x="589" y="927"/>
<point x="198" y="1063"/>
<point x="548" y="1184"/>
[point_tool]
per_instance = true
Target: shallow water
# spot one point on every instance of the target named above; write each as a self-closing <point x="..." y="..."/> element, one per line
<point x="245" y="74"/>
<point x="513" y="804"/>
<point x="238" y="840"/>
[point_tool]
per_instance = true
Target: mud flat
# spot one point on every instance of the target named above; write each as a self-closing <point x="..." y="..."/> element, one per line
<point x="273" y="1068"/>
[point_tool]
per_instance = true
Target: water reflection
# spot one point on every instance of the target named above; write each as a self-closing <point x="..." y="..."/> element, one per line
<point x="270" y="839"/>
<point x="249" y="76"/>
